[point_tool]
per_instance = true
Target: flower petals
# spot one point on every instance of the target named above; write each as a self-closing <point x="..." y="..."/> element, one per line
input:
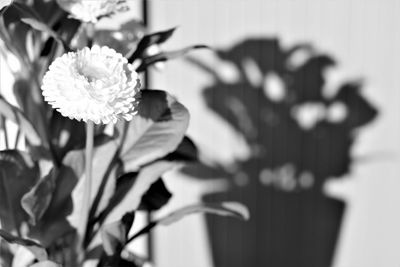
<point x="96" y="84"/>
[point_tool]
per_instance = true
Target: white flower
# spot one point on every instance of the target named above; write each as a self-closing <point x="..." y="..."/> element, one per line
<point x="91" y="10"/>
<point x="95" y="84"/>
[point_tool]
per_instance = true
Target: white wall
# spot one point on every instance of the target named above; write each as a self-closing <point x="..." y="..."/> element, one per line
<point x="364" y="38"/>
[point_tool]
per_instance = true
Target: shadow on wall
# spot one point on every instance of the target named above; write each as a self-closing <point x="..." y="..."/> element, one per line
<point x="299" y="136"/>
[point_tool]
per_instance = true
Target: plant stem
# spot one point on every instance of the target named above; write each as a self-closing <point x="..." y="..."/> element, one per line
<point x="88" y="175"/>
<point x="17" y="136"/>
<point x="5" y="132"/>
<point x="90" y="33"/>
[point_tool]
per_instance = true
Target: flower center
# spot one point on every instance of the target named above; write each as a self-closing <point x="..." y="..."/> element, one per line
<point x="93" y="73"/>
<point x="101" y="78"/>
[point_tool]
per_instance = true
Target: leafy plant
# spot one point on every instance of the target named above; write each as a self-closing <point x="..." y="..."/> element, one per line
<point x="72" y="194"/>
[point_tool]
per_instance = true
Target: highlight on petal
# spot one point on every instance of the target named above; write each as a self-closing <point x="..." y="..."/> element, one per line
<point x="91" y="10"/>
<point x="96" y="84"/>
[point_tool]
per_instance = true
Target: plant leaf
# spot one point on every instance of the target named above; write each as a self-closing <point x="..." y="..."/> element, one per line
<point x="29" y="16"/>
<point x="37" y="200"/>
<point x="39" y="252"/>
<point x="151" y="39"/>
<point x="186" y="151"/>
<point x="233" y="209"/>
<point x="14" y="114"/>
<point x="114" y="235"/>
<point x="164" y="56"/>
<point x="156" y="197"/>
<point x="18" y="174"/>
<point x="41" y="26"/>
<point x="155" y="131"/>
<point x="63" y="214"/>
<point x="131" y="187"/>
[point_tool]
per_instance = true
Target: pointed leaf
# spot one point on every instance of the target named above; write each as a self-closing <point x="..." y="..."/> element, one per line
<point x="156" y="131"/>
<point x="151" y="39"/>
<point x="164" y="56"/>
<point x="39" y="252"/>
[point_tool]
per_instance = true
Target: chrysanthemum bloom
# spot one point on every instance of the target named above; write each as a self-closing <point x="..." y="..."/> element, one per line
<point x="96" y="84"/>
<point x="91" y="10"/>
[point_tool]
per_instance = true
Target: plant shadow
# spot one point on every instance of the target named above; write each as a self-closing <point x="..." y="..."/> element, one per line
<point x="299" y="136"/>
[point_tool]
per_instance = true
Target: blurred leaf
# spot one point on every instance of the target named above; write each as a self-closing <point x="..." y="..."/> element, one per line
<point x="31" y="103"/>
<point x="14" y="114"/>
<point x="124" y="40"/>
<point x="30" y="17"/>
<point x="151" y="39"/>
<point x="200" y="170"/>
<point x="46" y="264"/>
<point x="155" y="131"/>
<point x="66" y="28"/>
<point x="156" y="197"/>
<point x="24" y="10"/>
<point x="115" y="235"/>
<point x="49" y="11"/>
<point x="37" y="200"/>
<point x="39" y="252"/>
<point x="164" y="56"/>
<point x="18" y="173"/>
<point x="233" y="209"/>
<point x="41" y="26"/>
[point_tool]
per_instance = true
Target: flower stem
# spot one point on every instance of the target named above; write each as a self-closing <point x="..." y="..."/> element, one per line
<point x="90" y="31"/>
<point x="5" y="132"/>
<point x="88" y="173"/>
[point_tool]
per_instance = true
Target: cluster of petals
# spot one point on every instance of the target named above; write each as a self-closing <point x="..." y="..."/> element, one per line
<point x="91" y="10"/>
<point x="96" y="84"/>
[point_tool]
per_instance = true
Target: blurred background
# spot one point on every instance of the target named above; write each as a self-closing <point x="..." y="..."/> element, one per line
<point x="295" y="113"/>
